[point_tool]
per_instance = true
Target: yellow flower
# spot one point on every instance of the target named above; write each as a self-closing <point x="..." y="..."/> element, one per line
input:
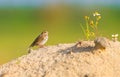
<point x="91" y="22"/>
<point x="96" y="14"/>
<point x="115" y="37"/>
<point x="86" y="17"/>
<point x="98" y="18"/>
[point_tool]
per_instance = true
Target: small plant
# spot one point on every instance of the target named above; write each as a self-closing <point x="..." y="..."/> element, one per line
<point x="115" y="37"/>
<point x="91" y="30"/>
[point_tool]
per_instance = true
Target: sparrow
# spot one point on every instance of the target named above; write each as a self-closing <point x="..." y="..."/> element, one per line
<point x="39" y="41"/>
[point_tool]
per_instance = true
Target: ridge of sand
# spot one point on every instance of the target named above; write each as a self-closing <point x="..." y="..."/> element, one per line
<point x="66" y="60"/>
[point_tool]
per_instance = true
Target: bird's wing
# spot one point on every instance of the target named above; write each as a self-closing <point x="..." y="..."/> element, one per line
<point x="35" y="41"/>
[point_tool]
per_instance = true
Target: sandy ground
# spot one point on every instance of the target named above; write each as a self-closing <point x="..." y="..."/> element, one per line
<point x="66" y="60"/>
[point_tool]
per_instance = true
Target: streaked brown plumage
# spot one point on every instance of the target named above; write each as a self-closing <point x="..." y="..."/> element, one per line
<point x="40" y="40"/>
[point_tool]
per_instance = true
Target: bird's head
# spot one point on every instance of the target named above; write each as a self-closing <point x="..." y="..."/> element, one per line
<point x="45" y="32"/>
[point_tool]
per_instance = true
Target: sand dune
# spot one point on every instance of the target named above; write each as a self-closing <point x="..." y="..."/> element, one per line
<point x="66" y="60"/>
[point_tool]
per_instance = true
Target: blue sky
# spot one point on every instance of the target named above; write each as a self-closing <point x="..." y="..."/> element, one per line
<point x="42" y="2"/>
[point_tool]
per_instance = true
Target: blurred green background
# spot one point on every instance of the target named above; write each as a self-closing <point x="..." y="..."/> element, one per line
<point x="21" y="24"/>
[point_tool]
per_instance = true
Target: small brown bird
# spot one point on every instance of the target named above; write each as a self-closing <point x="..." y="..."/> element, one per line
<point x="40" y="40"/>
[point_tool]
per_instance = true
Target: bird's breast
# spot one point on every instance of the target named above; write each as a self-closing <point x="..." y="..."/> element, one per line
<point x="44" y="40"/>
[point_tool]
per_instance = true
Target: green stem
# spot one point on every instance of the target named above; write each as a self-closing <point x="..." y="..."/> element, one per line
<point x="83" y="29"/>
<point x="87" y="25"/>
